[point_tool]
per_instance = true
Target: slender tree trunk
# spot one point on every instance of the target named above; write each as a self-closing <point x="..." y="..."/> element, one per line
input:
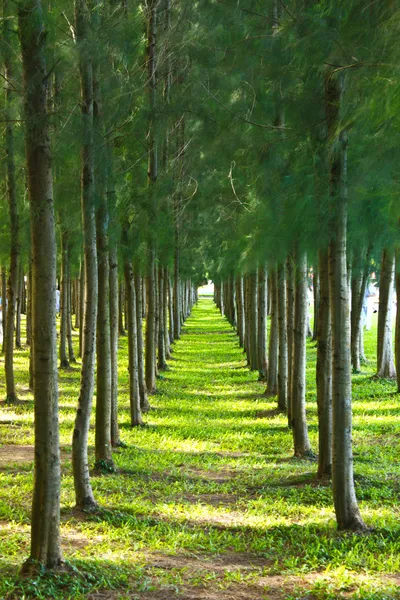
<point x="20" y="295"/>
<point x="290" y="329"/>
<point x="171" y="325"/>
<point x="71" y="353"/>
<point x="103" y="447"/>
<point x="77" y="302"/>
<point x="262" y="323"/>
<point x="283" y="341"/>
<point x="272" y="376"/>
<point x="64" y="362"/>
<point x="81" y="306"/>
<point x="254" y="322"/>
<point x="150" y="368"/>
<point x="134" y="392"/>
<point x="240" y="310"/>
<point x="29" y="305"/>
<point x="385" y="366"/>
<point x="45" y="539"/>
<point x="115" y="436"/>
<point x="344" y="497"/>
<point x="397" y="333"/>
<point x="121" y="304"/>
<point x="83" y="490"/>
<point x="144" y="401"/>
<point x="165" y="309"/>
<point x="324" y="370"/>
<point x="157" y="317"/>
<point x="4" y="306"/>
<point x="301" y="442"/>
<point x="150" y="363"/>
<point x="9" y="321"/>
<point x="316" y="293"/>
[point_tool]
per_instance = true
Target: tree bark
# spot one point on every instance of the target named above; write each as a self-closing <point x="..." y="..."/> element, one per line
<point x="170" y="312"/>
<point x="359" y="282"/>
<point x="385" y="365"/>
<point x="64" y="362"/>
<point x="103" y="447"/>
<point x="4" y="306"/>
<point x="344" y="497"/>
<point x="290" y="329"/>
<point x="253" y="321"/>
<point x="134" y="392"/>
<point x="115" y="435"/>
<point x="144" y="401"/>
<point x="301" y="442"/>
<point x="316" y="294"/>
<point x="71" y="353"/>
<point x="9" y="321"/>
<point x="20" y="296"/>
<point x="121" y="304"/>
<point x="240" y="310"/>
<point x="45" y="538"/>
<point x="324" y="370"/>
<point x="397" y="332"/>
<point x="262" y="323"/>
<point x="83" y="490"/>
<point x="165" y="309"/>
<point x="272" y="375"/>
<point x="283" y="341"/>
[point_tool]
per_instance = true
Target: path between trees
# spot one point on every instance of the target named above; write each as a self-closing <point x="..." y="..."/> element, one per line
<point x="207" y="503"/>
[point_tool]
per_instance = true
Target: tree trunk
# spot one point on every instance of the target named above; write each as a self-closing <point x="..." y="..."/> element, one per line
<point x="283" y="341"/>
<point x="45" y="539"/>
<point x="115" y="436"/>
<point x="144" y="401"/>
<point x="344" y="497"/>
<point x="83" y="490"/>
<point x="9" y="321"/>
<point x="290" y="329"/>
<point x="20" y="295"/>
<point x="121" y="304"/>
<point x="397" y="333"/>
<point x="272" y="375"/>
<point x="4" y="306"/>
<point x="134" y="392"/>
<point x="150" y="367"/>
<point x="240" y="310"/>
<point x="164" y="307"/>
<point x="385" y="366"/>
<point x="324" y="370"/>
<point x="103" y="447"/>
<point x="171" y="312"/>
<point x="359" y="282"/>
<point x="71" y="353"/>
<point x="151" y="323"/>
<point x="316" y="294"/>
<point x="253" y="321"/>
<point x="64" y="362"/>
<point x="262" y="323"/>
<point x="29" y="305"/>
<point x="81" y="306"/>
<point x="301" y="442"/>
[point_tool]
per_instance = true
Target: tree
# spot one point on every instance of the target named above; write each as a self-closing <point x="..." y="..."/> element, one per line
<point x="45" y="536"/>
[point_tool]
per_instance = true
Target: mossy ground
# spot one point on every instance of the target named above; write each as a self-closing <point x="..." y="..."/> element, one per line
<point x="208" y="502"/>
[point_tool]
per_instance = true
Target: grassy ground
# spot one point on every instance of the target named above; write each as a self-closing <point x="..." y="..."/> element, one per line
<point x="208" y="502"/>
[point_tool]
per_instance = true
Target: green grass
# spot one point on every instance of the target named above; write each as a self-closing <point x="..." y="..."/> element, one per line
<point x="208" y="499"/>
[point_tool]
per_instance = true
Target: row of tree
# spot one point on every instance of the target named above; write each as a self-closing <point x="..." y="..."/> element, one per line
<point x="237" y="138"/>
<point x="112" y="267"/>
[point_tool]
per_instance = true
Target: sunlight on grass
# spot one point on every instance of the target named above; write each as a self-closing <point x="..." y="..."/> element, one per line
<point x="212" y="474"/>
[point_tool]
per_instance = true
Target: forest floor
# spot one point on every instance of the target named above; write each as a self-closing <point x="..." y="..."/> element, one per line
<point x="208" y="503"/>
